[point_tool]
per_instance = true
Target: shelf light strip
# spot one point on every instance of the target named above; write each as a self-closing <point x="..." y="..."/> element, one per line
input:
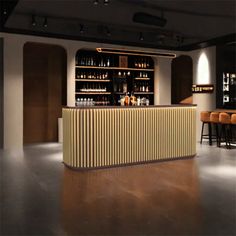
<point x="135" y="52"/>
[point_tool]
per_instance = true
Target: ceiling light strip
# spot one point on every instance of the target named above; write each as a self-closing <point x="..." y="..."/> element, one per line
<point x="135" y="52"/>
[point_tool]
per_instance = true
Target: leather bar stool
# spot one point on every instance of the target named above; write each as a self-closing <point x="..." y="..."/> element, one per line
<point x="214" y="119"/>
<point x="225" y="122"/>
<point x="205" y="119"/>
<point x="233" y="127"/>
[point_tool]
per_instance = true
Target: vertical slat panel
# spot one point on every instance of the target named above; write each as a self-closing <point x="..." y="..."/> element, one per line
<point x="104" y="137"/>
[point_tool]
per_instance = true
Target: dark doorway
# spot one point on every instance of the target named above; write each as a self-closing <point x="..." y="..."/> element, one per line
<point x="45" y="87"/>
<point x="181" y="80"/>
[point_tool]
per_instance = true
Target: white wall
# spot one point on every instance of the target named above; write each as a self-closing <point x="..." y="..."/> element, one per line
<point x="13" y="79"/>
<point x="162" y="86"/>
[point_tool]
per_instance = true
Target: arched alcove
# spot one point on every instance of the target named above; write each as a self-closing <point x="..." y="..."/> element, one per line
<point x="44" y="91"/>
<point x="181" y="80"/>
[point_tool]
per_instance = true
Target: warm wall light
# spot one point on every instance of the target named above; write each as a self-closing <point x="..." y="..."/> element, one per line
<point x="203" y="73"/>
<point x="136" y="52"/>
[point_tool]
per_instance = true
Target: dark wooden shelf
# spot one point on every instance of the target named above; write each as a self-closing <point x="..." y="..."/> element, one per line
<point x="93" y="80"/>
<point x="142" y="78"/>
<point x="119" y="93"/>
<point x="120" y="70"/>
<point x="144" y="93"/>
<point x="113" y="68"/>
<point x="93" y="93"/>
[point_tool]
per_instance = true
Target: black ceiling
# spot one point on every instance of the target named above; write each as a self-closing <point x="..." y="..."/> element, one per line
<point x="172" y="24"/>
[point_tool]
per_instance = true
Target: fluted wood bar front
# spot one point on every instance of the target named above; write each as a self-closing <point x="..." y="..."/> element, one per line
<point x="95" y="137"/>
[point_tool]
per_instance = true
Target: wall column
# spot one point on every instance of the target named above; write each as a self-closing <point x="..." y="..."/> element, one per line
<point x="13" y="93"/>
<point x="162" y="83"/>
<point x="204" y="101"/>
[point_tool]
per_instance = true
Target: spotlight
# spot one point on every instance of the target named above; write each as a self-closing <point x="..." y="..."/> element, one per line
<point x="81" y="29"/>
<point x="108" y="32"/>
<point x="33" y="21"/>
<point x="95" y="2"/>
<point x="141" y="38"/>
<point x="180" y="39"/>
<point x="106" y="2"/>
<point x="4" y="11"/>
<point x="45" y="23"/>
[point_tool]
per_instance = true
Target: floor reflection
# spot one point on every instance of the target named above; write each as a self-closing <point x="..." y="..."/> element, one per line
<point x="157" y="199"/>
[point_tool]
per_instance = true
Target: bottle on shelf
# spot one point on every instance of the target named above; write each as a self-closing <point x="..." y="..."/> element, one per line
<point x="133" y="100"/>
<point x="127" y="99"/>
<point x="138" y="101"/>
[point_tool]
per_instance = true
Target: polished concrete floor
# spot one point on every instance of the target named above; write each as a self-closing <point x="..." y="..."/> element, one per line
<point x="39" y="196"/>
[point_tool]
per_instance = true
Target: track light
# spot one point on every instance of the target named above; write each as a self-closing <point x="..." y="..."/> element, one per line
<point x="105" y="2"/>
<point x="144" y="18"/>
<point x="33" y="21"/>
<point x="136" y="52"/>
<point x="81" y="29"/>
<point x="108" y="32"/>
<point x="141" y="38"/>
<point x="180" y="39"/>
<point x="45" y="23"/>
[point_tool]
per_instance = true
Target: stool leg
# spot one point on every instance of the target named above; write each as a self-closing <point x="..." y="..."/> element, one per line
<point x="217" y="135"/>
<point x="222" y="134"/>
<point x="203" y="123"/>
<point x="228" y="136"/>
<point x="210" y="133"/>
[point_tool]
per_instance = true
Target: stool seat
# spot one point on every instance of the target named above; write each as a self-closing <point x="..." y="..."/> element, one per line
<point x="214" y="117"/>
<point x="233" y="119"/>
<point x="205" y="116"/>
<point x="224" y="118"/>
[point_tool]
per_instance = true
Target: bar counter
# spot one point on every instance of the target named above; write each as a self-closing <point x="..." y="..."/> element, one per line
<point x="97" y="137"/>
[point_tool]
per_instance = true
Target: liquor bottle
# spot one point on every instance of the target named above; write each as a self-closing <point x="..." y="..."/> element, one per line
<point x="127" y="99"/>
<point x="139" y="64"/>
<point x="144" y="63"/>
<point x="138" y="101"/>
<point x="108" y="62"/>
<point x="133" y="99"/>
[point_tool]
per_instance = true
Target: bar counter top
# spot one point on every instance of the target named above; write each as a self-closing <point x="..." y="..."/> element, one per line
<point x="127" y="107"/>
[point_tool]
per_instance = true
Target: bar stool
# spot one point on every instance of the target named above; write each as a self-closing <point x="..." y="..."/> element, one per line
<point x="225" y="121"/>
<point x="233" y="123"/>
<point x="205" y="119"/>
<point x="214" y="119"/>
